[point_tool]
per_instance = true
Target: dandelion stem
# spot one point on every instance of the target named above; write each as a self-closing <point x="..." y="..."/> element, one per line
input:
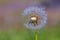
<point x="36" y="35"/>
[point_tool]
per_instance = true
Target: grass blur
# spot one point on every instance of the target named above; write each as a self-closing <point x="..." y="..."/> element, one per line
<point x="52" y="33"/>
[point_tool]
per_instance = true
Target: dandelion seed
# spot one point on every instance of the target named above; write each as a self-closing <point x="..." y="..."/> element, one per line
<point x="36" y="18"/>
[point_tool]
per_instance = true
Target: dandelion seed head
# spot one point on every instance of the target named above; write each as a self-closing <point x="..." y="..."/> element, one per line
<point x="40" y="12"/>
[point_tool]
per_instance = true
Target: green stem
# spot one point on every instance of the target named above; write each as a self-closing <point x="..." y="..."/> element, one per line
<point x="36" y="35"/>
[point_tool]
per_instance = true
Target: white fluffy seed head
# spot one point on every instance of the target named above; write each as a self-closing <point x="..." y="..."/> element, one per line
<point x="40" y="12"/>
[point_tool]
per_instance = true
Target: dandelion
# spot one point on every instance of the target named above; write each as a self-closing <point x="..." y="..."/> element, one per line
<point x="36" y="17"/>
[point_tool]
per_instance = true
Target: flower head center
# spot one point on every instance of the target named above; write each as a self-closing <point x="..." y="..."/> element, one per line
<point x="33" y="18"/>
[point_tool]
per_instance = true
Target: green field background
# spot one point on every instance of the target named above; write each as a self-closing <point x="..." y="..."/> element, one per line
<point x="51" y="33"/>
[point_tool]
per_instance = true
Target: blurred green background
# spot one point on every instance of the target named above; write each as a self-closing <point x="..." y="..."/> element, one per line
<point x="51" y="33"/>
